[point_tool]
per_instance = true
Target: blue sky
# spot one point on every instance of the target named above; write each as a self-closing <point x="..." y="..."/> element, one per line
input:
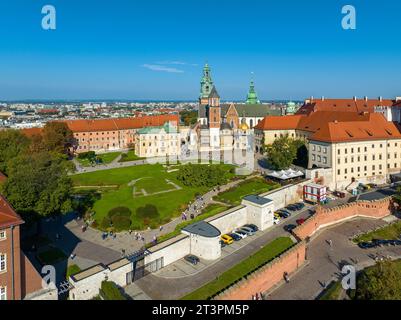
<point x="129" y="49"/>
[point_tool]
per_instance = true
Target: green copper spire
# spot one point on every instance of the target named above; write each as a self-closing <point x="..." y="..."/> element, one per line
<point x="291" y="108"/>
<point x="206" y="82"/>
<point x="252" y="97"/>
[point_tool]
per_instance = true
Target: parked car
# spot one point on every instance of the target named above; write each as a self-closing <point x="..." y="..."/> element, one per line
<point x="235" y="236"/>
<point x="291" y="207"/>
<point x="252" y="226"/>
<point x="366" y="245"/>
<point x="299" y="205"/>
<point x="276" y="220"/>
<point x="241" y="233"/>
<point x="227" y="239"/>
<point x="373" y="185"/>
<point x="192" y="259"/>
<point x="248" y="231"/>
<point x="300" y="221"/>
<point x="222" y="244"/>
<point x="289" y="227"/>
<point x="283" y="214"/>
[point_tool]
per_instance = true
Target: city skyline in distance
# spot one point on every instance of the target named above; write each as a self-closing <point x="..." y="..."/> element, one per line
<point x="155" y="51"/>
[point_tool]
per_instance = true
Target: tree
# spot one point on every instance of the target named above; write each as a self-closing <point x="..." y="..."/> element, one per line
<point x="380" y="282"/>
<point x="57" y="137"/>
<point x="281" y="153"/>
<point x="202" y="175"/>
<point x="38" y="185"/>
<point x="12" y="144"/>
<point x="301" y="158"/>
<point x="189" y="117"/>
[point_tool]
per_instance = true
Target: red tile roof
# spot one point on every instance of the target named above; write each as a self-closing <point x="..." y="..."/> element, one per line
<point x="8" y="217"/>
<point x="335" y="126"/>
<point x="120" y="124"/>
<point x="376" y="128"/>
<point x="343" y="105"/>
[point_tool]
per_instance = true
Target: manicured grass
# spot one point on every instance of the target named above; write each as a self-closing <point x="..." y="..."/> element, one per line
<point x="105" y="157"/>
<point x="263" y="256"/>
<point x="252" y="186"/>
<point x="209" y="211"/>
<point x="129" y="156"/>
<point x="332" y="292"/>
<point x="131" y="182"/>
<point x="51" y="256"/>
<point x="73" y="269"/>
<point x="391" y="232"/>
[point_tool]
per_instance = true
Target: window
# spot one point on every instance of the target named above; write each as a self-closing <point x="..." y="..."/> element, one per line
<point x="3" y="262"/>
<point x="3" y="293"/>
<point x="2" y="235"/>
<point x="313" y="148"/>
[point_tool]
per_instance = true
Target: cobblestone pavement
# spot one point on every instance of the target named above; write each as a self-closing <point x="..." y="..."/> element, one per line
<point x="325" y="262"/>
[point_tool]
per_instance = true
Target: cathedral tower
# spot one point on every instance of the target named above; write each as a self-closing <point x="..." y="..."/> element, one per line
<point x="252" y="97"/>
<point x="206" y="85"/>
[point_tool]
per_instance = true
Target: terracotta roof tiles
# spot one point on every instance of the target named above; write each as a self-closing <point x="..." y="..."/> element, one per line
<point x="8" y="217"/>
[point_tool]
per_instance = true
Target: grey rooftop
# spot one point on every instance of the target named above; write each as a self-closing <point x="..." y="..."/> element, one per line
<point x="257" y="199"/>
<point x="203" y="229"/>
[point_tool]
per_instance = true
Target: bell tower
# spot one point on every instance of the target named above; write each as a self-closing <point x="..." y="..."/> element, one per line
<point x="206" y="85"/>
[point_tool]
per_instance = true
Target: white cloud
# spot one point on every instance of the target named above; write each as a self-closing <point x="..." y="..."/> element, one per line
<point x="160" y="68"/>
<point x="179" y="63"/>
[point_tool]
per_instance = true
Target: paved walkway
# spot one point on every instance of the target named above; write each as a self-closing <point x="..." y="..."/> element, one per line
<point x="126" y="241"/>
<point x="325" y="262"/>
<point x="163" y="285"/>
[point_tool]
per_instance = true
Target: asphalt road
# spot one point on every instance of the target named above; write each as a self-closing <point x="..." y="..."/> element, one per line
<point x="325" y="262"/>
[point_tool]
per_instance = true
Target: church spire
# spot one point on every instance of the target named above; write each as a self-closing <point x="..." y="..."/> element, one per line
<point x="252" y="97"/>
<point x="206" y="84"/>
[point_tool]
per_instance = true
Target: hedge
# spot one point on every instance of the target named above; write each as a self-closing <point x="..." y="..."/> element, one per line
<point x="110" y="291"/>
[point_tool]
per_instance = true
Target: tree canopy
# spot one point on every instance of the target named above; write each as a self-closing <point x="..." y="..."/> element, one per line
<point x="380" y="282"/>
<point x="189" y="117"/>
<point x="38" y="183"/>
<point x="202" y="175"/>
<point x="12" y="144"/>
<point x="285" y="151"/>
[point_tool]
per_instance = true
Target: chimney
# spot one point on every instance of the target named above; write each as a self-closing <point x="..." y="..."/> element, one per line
<point x="322" y="98"/>
<point x="355" y="98"/>
<point x="366" y="98"/>
<point x="311" y="98"/>
<point x="381" y="99"/>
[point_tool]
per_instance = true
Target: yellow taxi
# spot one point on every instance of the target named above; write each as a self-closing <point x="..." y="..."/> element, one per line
<point x="227" y="239"/>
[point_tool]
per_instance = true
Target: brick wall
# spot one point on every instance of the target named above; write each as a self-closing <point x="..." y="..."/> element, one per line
<point x="267" y="276"/>
<point x="31" y="280"/>
<point x="326" y="217"/>
<point x="6" y="277"/>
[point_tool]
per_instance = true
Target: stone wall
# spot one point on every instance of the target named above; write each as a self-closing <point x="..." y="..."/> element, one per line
<point x="87" y="283"/>
<point x="170" y="250"/>
<point x="327" y="217"/>
<point x="267" y="276"/>
<point x="230" y="220"/>
<point x="286" y="195"/>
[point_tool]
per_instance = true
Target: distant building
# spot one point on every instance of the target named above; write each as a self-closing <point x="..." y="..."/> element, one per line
<point x="158" y="141"/>
<point x="347" y="135"/>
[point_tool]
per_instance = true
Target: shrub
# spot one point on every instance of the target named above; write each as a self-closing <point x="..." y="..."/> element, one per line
<point x="120" y="211"/>
<point x="121" y="223"/>
<point x="106" y="223"/>
<point x="149" y="211"/>
<point x="87" y="155"/>
<point x="110" y="291"/>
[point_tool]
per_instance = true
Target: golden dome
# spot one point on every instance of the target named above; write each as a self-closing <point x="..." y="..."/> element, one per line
<point x="244" y="126"/>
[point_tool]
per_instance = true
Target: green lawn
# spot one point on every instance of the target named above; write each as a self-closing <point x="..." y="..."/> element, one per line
<point x="105" y="157"/>
<point x="391" y="232"/>
<point x="253" y="186"/>
<point x="144" y="180"/>
<point x="210" y="211"/>
<point x="73" y="269"/>
<point x="51" y="256"/>
<point x="129" y="156"/>
<point x="263" y="256"/>
<point x="332" y="292"/>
